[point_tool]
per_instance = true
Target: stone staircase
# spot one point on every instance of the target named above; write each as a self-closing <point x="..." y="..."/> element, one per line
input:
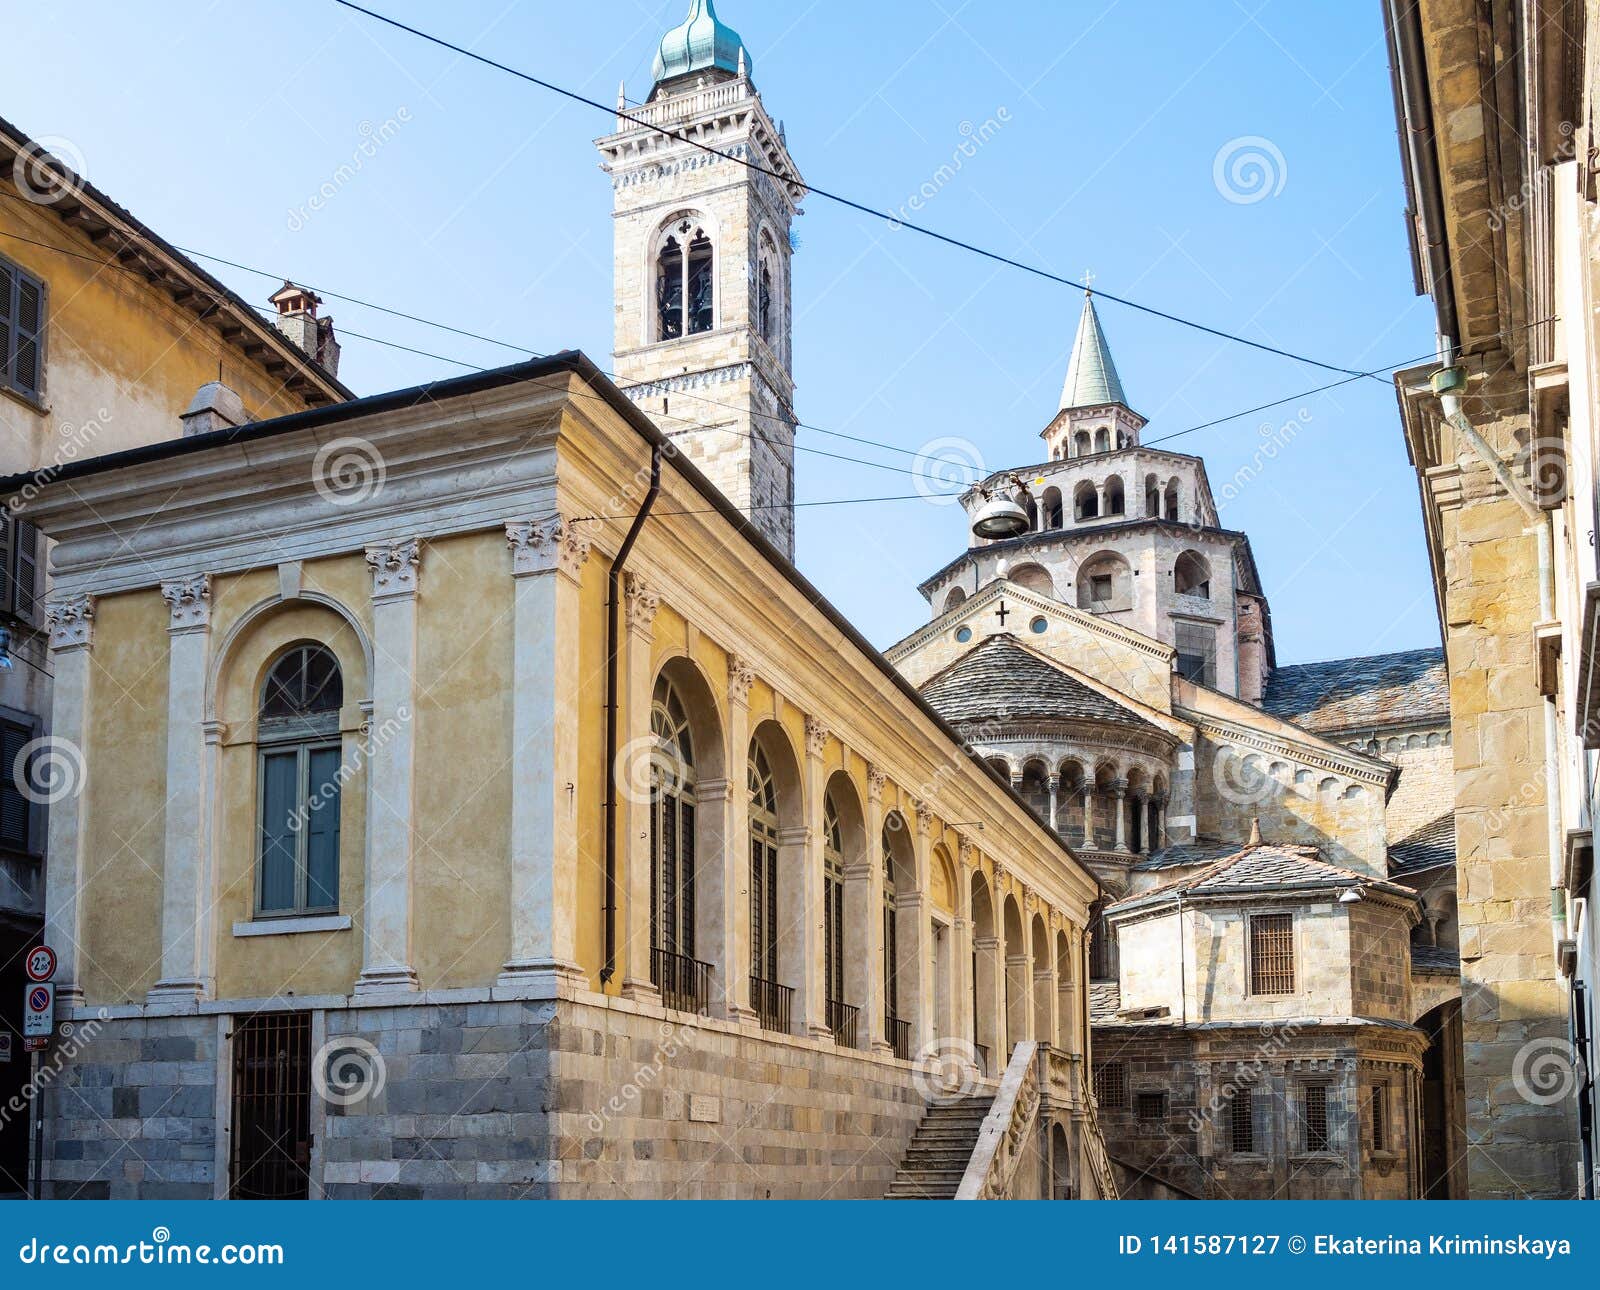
<point x="940" y="1150"/>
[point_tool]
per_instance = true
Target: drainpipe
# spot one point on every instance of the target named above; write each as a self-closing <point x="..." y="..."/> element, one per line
<point x="1448" y="383"/>
<point x="613" y="607"/>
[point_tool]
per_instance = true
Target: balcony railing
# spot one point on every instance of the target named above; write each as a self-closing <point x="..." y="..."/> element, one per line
<point x="772" y="1002"/>
<point x="842" y="1021"/>
<point x="898" y="1033"/>
<point x="685" y="983"/>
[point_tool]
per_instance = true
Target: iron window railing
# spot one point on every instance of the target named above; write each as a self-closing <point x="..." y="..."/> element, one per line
<point x="685" y="983"/>
<point x="773" y="1003"/>
<point x="898" y="1033"/>
<point x="842" y="1021"/>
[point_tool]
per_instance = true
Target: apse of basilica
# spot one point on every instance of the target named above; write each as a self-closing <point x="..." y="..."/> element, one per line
<point x="1275" y="991"/>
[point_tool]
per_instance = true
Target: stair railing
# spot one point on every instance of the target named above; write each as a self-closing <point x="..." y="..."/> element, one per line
<point x="1004" y="1135"/>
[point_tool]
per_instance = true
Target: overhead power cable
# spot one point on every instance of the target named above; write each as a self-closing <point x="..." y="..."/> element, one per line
<point x="838" y="198"/>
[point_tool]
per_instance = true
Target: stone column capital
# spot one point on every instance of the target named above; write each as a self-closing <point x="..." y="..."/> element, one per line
<point x="395" y="567"/>
<point x="741" y="676"/>
<point x="924" y="817"/>
<point x="189" y="601"/>
<point x="817" y="736"/>
<point x="545" y="545"/>
<point x="642" y="601"/>
<point x="70" y="621"/>
<point x="875" y="782"/>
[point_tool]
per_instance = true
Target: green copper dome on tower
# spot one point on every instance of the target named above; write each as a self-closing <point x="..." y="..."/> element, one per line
<point x="1091" y="375"/>
<point x="701" y="42"/>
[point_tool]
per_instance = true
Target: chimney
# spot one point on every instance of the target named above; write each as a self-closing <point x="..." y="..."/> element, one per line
<point x="214" y="407"/>
<point x="297" y="319"/>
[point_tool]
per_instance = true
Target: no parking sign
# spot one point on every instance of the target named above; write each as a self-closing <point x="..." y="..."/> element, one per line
<point x="39" y="1010"/>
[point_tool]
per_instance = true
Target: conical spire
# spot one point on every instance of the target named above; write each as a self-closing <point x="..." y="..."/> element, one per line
<point x="1091" y="375"/>
<point x="702" y="41"/>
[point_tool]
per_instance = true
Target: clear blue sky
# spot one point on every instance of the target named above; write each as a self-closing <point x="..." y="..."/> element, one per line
<point x="217" y="123"/>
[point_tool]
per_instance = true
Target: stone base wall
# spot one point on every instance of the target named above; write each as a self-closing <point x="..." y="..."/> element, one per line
<point x="494" y="1100"/>
<point x="650" y="1107"/>
<point x="130" y="1110"/>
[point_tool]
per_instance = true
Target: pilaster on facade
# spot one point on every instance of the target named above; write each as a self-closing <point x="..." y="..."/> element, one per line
<point x="70" y="622"/>
<point x="188" y="883"/>
<point x="390" y="858"/>
<point x="547" y="559"/>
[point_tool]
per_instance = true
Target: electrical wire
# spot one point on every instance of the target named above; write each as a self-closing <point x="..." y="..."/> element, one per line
<point x="851" y="204"/>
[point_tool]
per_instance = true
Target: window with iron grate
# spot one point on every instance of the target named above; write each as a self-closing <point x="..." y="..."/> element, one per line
<point x="1111" y="1086"/>
<point x="1242" y="1123"/>
<point x="1314" y="1116"/>
<point x="1151" y="1106"/>
<point x="1272" y="954"/>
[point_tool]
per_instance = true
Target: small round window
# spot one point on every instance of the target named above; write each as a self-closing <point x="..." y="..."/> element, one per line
<point x="1038" y="626"/>
<point x="963" y="634"/>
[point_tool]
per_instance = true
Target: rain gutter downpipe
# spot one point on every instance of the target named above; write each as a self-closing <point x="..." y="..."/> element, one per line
<point x="613" y="607"/>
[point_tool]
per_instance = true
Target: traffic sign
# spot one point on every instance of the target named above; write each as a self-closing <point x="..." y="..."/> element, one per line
<point x="5" y="1045"/>
<point x="41" y="965"/>
<point x="39" y="1010"/>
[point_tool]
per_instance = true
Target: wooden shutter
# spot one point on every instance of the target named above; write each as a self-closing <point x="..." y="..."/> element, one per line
<point x="15" y="809"/>
<point x="670" y="826"/>
<point x="280" y="782"/>
<point x="8" y="337"/>
<point x="27" y="364"/>
<point x="25" y="549"/>
<point x="757" y="905"/>
<point x="322" y="835"/>
<point x="8" y="578"/>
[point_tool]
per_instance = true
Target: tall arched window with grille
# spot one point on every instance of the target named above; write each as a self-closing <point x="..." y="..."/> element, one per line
<point x="297" y="735"/>
<point x="685" y="283"/>
<point x="764" y="302"/>
<point x="672" y="855"/>
<point x="833" y="923"/>
<point x="701" y="312"/>
<point x="891" y="947"/>
<point x="767" y="997"/>
<point x="669" y="291"/>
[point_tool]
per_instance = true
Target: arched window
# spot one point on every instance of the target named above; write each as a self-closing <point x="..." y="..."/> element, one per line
<point x="1152" y="497"/>
<point x="956" y="598"/>
<point x="1105" y="583"/>
<point x="1081" y="446"/>
<point x="1171" y="498"/>
<point x="833" y="911"/>
<point x="1115" y="499"/>
<point x="764" y="302"/>
<point x="891" y="944"/>
<point x="669" y="290"/>
<point x="765" y="994"/>
<point x="1052" y="508"/>
<point x="685" y="284"/>
<point x="297" y="732"/>
<point x="1102" y="440"/>
<point x="1035" y="577"/>
<point x="1191" y="575"/>
<point x="1085" y="501"/>
<point x="672" y="853"/>
<point x="700" y="303"/>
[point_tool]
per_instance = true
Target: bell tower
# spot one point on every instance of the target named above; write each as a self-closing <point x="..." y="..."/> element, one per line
<point x="703" y="309"/>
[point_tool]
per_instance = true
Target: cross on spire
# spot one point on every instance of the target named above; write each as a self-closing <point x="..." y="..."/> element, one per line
<point x="1088" y="279"/>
